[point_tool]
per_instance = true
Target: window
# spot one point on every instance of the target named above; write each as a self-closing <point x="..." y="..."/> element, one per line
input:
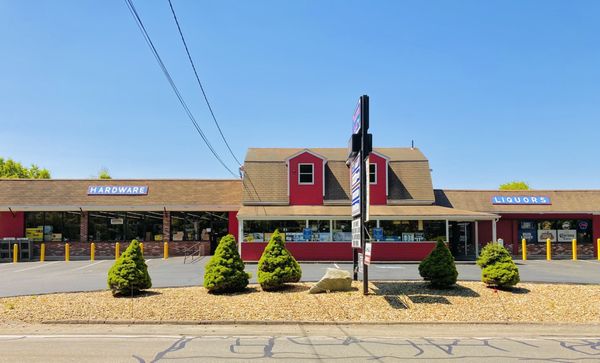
<point x="261" y="231"/>
<point x="342" y="230"/>
<point x="106" y="226"/>
<point x="305" y="173"/>
<point x="195" y="226"/>
<point x="52" y="226"/>
<point x="372" y="173"/>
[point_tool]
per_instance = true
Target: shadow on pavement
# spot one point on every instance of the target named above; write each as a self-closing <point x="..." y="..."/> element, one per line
<point x="401" y="295"/>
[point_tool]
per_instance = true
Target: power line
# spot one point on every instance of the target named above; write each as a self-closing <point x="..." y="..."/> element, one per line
<point x="200" y="83"/>
<point x="165" y="71"/>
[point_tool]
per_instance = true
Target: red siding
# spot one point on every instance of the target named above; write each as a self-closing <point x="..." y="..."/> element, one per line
<point x="378" y="195"/>
<point x="233" y="225"/>
<point x="307" y="194"/>
<point x="596" y="225"/>
<point x="485" y="232"/>
<point x="12" y="226"/>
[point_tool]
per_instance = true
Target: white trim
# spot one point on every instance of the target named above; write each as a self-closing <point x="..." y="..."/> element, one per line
<point x="380" y="155"/>
<point x="375" y="165"/>
<point x="122" y="208"/>
<point x="323" y="176"/>
<point x="312" y="173"/>
<point x="302" y="152"/>
<point x="240" y="234"/>
<point x="447" y="231"/>
<point x="476" y="238"/>
<point x="387" y="183"/>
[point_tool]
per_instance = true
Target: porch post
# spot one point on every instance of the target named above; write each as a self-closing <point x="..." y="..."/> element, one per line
<point x="240" y="235"/>
<point x="447" y="232"/>
<point x="494" y="230"/>
<point x="476" y="238"/>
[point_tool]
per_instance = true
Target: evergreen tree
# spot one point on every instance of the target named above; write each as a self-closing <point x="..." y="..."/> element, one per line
<point x="497" y="266"/>
<point x="129" y="274"/>
<point x="438" y="268"/>
<point x="225" y="270"/>
<point x="277" y="266"/>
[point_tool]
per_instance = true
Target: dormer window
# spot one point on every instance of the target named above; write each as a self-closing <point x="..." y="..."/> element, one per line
<point x="372" y="173"/>
<point x="306" y="173"/>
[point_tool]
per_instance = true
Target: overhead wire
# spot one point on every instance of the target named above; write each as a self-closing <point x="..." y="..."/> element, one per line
<point x="165" y="71"/>
<point x="187" y="50"/>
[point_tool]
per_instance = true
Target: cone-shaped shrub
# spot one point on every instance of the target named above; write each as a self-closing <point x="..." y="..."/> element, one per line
<point x="129" y="274"/>
<point x="438" y="268"/>
<point x="497" y="266"/>
<point x="225" y="270"/>
<point x="276" y="265"/>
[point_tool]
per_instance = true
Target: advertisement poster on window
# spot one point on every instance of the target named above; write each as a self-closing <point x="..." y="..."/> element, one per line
<point x="544" y="234"/>
<point x="566" y="235"/>
<point x="378" y="234"/>
<point x="408" y="237"/>
<point x="368" y="247"/>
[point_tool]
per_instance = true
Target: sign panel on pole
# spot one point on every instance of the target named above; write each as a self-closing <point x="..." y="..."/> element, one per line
<point x="355" y="185"/>
<point x="360" y="262"/>
<point x="356" y="119"/>
<point x="368" y="247"/>
<point x="368" y="185"/>
<point x="356" y="233"/>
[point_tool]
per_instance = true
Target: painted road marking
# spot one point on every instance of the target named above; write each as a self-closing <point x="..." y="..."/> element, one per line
<point x="393" y="267"/>
<point x="41" y="264"/>
<point x="86" y="266"/>
<point x="336" y="265"/>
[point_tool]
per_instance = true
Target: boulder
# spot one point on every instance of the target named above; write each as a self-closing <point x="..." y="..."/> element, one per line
<point x="334" y="280"/>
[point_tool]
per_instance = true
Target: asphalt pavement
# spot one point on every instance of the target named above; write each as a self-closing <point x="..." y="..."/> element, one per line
<point x="387" y="343"/>
<point x="26" y="278"/>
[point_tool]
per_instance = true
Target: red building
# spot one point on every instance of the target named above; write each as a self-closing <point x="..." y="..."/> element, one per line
<point x="305" y="194"/>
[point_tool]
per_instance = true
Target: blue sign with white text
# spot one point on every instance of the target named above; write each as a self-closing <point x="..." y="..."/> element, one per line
<point x="378" y="234"/>
<point x="521" y="200"/>
<point x="117" y="190"/>
<point x="307" y="234"/>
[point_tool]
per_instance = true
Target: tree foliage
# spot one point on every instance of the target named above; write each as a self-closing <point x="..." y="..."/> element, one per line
<point x="497" y="266"/>
<point x="104" y="174"/>
<point x="277" y="266"/>
<point x="439" y="268"/>
<point x="225" y="270"/>
<point x="514" y="185"/>
<point x="129" y="274"/>
<point x="15" y="170"/>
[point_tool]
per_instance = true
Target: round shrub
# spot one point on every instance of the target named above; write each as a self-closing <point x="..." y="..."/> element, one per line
<point x="497" y="266"/>
<point x="225" y="270"/>
<point x="129" y="274"/>
<point x="438" y="267"/>
<point x="276" y="265"/>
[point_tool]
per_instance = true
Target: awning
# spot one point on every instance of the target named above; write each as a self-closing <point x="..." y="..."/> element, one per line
<point x="405" y="212"/>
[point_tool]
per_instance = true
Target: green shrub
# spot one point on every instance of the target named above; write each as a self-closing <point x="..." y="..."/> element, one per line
<point x="277" y="266"/>
<point x="438" y="268"/>
<point x="497" y="266"/>
<point x="129" y="274"/>
<point x="225" y="270"/>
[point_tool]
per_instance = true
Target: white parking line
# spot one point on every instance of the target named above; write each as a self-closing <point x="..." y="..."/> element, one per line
<point x="393" y="267"/>
<point x="41" y="264"/>
<point x="86" y="266"/>
<point x="336" y="265"/>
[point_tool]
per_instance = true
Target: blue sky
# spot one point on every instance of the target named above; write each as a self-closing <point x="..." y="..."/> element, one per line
<point x="490" y="91"/>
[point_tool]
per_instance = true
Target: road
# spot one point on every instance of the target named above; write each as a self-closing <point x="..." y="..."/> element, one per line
<point x="28" y="278"/>
<point x="493" y="343"/>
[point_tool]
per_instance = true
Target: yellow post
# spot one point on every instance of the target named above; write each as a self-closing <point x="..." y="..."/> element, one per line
<point x="524" y="248"/>
<point x="15" y="253"/>
<point x="67" y="252"/>
<point x="574" y="248"/>
<point x="166" y="250"/>
<point x="92" y="251"/>
<point x="142" y="248"/>
<point x="548" y="249"/>
<point x="42" y="252"/>
<point x="117" y="250"/>
<point x="598" y="249"/>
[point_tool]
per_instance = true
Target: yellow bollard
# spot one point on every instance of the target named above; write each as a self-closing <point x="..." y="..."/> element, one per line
<point x="598" y="249"/>
<point x="166" y="250"/>
<point x="92" y="251"/>
<point x="142" y="248"/>
<point x="15" y="253"/>
<point x="524" y="248"/>
<point x="42" y="252"/>
<point x="548" y="249"/>
<point x="67" y="252"/>
<point x="574" y="248"/>
<point x="117" y="250"/>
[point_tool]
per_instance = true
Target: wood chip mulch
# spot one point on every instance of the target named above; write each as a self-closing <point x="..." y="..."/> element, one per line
<point x="398" y="301"/>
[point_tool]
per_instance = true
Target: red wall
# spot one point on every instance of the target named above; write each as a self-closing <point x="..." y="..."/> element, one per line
<point x="485" y="232"/>
<point x="342" y="251"/>
<point x="12" y="226"/>
<point x="596" y="225"/>
<point x="311" y="194"/>
<point x="233" y="224"/>
<point x="378" y="195"/>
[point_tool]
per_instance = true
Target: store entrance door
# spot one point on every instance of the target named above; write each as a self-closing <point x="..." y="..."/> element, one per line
<point x="462" y="240"/>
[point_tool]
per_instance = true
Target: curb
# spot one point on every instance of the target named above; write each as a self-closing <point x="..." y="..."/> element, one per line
<point x="296" y="322"/>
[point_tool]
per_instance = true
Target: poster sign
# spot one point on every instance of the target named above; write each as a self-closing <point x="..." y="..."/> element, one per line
<point x="544" y="234"/>
<point x="521" y="200"/>
<point x="368" y="247"/>
<point x="368" y="186"/>
<point x="307" y="234"/>
<point x="355" y="185"/>
<point x="356" y="233"/>
<point x="360" y="262"/>
<point x="117" y="190"/>
<point x="566" y="235"/>
<point x="378" y="234"/>
<point x="116" y="221"/>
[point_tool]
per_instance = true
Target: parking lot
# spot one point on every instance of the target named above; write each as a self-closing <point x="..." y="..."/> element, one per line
<point x="28" y="278"/>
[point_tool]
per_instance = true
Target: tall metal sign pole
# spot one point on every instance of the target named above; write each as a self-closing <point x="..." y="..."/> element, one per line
<point x="359" y="148"/>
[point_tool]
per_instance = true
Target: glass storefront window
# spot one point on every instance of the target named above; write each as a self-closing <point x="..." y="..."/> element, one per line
<point x="71" y="226"/>
<point x="412" y="231"/>
<point x="434" y="230"/>
<point x="52" y="226"/>
<point x="559" y="230"/>
<point x="342" y="230"/>
<point x="319" y="231"/>
<point x="195" y="226"/>
<point x="261" y="231"/>
<point x="144" y="226"/>
<point x="34" y="226"/>
<point x="106" y="226"/>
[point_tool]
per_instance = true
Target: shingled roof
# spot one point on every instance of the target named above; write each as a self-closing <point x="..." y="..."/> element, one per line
<point x="174" y="194"/>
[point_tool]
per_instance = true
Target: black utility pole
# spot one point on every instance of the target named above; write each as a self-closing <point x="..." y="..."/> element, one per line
<point x="364" y="184"/>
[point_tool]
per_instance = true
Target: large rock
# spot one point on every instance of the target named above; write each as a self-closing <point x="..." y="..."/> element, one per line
<point x="334" y="280"/>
